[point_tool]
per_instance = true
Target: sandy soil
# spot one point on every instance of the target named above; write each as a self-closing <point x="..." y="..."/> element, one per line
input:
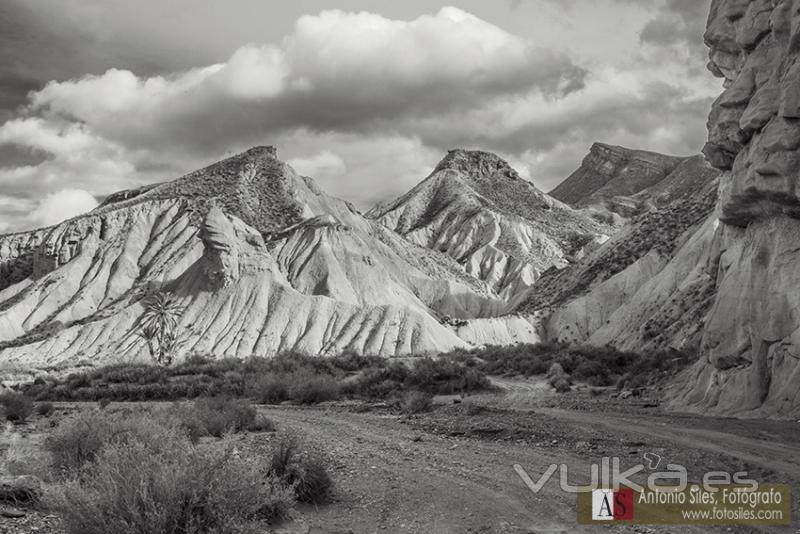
<point x="427" y="474"/>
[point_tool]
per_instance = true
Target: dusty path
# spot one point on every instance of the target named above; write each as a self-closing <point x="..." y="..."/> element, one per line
<point x="781" y="458"/>
<point x="393" y="478"/>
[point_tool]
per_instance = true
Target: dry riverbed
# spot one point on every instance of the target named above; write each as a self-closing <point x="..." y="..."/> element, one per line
<point x="451" y="470"/>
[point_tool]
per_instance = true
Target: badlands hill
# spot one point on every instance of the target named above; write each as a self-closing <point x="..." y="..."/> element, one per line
<point x="504" y="231"/>
<point x="613" y="180"/>
<point x="260" y="258"/>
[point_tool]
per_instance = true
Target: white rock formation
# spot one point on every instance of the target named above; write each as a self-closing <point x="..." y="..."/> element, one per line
<point x="476" y="209"/>
<point x="261" y="260"/>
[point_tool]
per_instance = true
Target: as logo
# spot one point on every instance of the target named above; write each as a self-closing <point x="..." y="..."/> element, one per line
<point x="611" y="505"/>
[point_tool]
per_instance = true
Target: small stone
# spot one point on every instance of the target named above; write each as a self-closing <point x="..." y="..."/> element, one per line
<point x="13" y="513"/>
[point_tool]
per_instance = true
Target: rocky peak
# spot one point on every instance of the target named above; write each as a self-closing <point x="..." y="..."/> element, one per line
<point x="608" y="171"/>
<point x="476" y="164"/>
<point x="262" y="151"/>
<point x="612" y="157"/>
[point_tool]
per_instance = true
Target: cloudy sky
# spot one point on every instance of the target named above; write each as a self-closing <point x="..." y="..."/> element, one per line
<point x="363" y="95"/>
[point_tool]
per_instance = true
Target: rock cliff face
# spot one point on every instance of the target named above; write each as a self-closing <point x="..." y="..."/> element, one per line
<point x="262" y="261"/>
<point x="751" y="342"/>
<point x="729" y="289"/>
<point x="476" y="209"/>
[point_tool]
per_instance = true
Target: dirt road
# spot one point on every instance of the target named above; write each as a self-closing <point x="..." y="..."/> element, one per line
<point x="394" y="476"/>
<point x="704" y="433"/>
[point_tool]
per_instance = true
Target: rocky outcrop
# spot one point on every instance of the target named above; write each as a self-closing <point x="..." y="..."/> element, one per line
<point x="260" y="260"/>
<point x="500" y="228"/>
<point x="751" y="341"/>
<point x="729" y="290"/>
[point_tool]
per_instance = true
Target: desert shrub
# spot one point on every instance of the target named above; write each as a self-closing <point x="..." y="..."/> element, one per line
<point x="561" y="384"/>
<point x="305" y="382"/>
<point x="271" y="389"/>
<point x="220" y="415"/>
<point x="445" y="376"/>
<point x="434" y="376"/>
<point x="597" y="366"/>
<point x="379" y="382"/>
<point x="312" y="389"/>
<point x="302" y="467"/>
<point x="182" y="488"/>
<point x="350" y="361"/>
<point x="558" y="378"/>
<point x="44" y="408"/>
<point x="414" y="402"/>
<point x="262" y="423"/>
<point x="287" y="377"/>
<point x="16" y="406"/>
<point x="79" y="438"/>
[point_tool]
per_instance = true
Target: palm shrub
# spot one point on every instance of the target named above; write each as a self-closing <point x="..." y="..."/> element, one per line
<point x="158" y="326"/>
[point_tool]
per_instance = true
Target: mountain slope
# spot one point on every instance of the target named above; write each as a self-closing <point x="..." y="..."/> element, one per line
<point x="475" y="208"/>
<point x="261" y="259"/>
<point x="616" y="183"/>
<point x="608" y="171"/>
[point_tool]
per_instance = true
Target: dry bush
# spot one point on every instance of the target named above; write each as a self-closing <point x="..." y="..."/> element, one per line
<point x="130" y="488"/>
<point x="262" y="423"/>
<point x="558" y="378"/>
<point x="44" y="409"/>
<point x="22" y="456"/>
<point x="302" y="467"/>
<point x="221" y="415"/>
<point x="16" y="406"/>
<point x="413" y="402"/>
<point x="80" y="438"/>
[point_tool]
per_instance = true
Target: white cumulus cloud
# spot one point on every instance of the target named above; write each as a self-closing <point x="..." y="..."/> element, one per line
<point x="62" y="205"/>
